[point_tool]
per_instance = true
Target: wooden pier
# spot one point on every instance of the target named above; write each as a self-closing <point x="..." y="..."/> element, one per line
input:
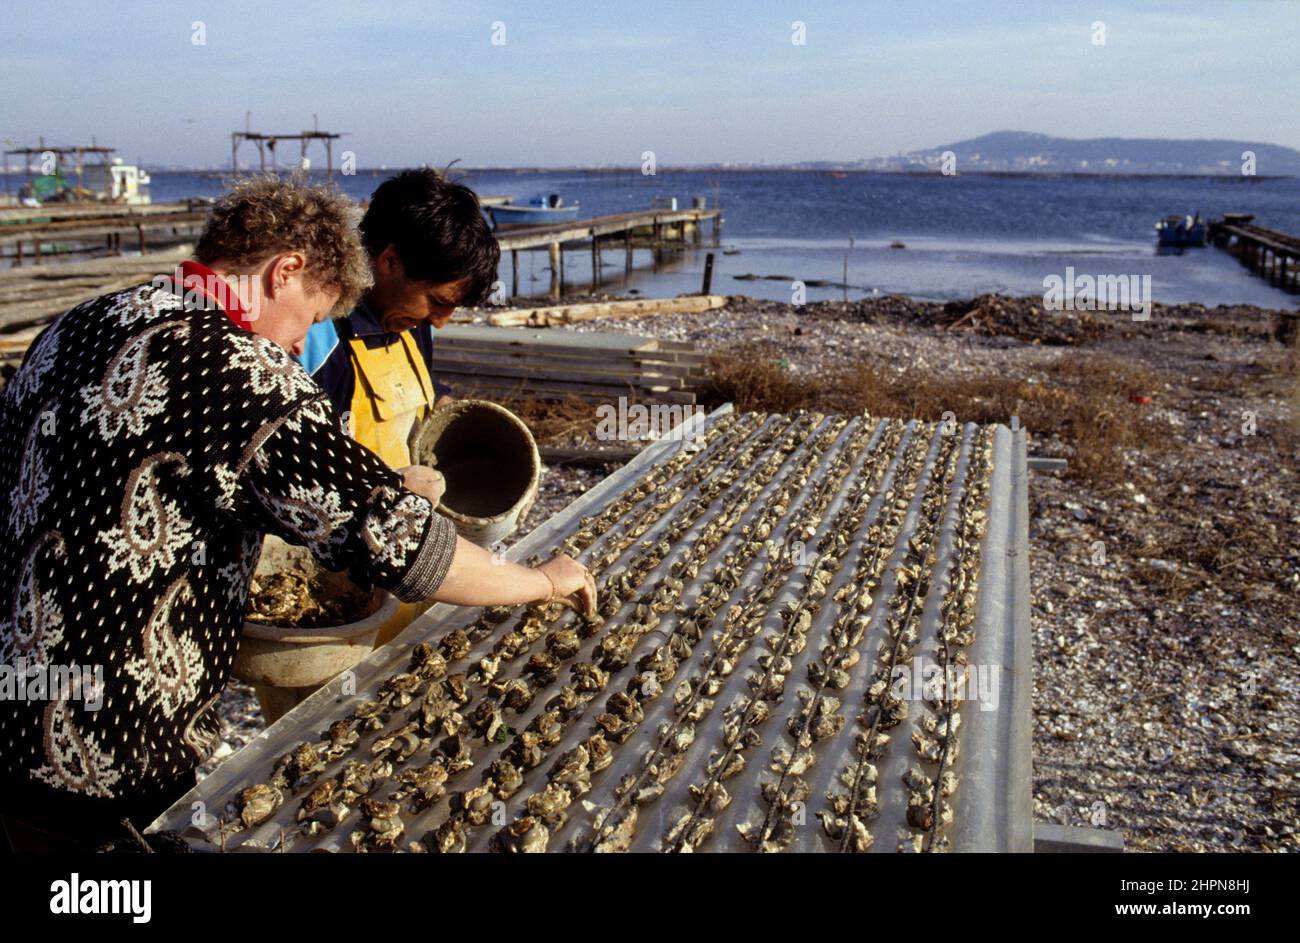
<point x="1267" y="252"/>
<point x="28" y="235"/>
<point x="653" y="227"/>
<point x="26" y="232"/>
<point x="31" y="294"/>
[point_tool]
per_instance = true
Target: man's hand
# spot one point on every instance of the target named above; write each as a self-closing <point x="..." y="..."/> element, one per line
<point x="424" y="481"/>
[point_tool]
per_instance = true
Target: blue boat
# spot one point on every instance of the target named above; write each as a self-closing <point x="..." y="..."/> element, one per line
<point x="1182" y="231"/>
<point x="540" y="210"/>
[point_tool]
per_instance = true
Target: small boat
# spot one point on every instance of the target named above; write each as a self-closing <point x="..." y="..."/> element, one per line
<point x="1182" y="231"/>
<point x="540" y="210"/>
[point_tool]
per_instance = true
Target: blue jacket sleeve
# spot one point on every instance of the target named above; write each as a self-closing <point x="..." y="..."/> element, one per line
<point x="325" y="357"/>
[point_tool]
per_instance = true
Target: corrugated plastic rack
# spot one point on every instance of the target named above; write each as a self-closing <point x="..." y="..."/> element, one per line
<point x="750" y="714"/>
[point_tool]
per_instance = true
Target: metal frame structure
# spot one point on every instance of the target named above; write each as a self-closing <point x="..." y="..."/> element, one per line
<point x="79" y="152"/>
<point x="264" y="142"/>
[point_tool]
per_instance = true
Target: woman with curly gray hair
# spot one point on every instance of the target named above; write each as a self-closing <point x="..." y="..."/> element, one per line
<point x="150" y="439"/>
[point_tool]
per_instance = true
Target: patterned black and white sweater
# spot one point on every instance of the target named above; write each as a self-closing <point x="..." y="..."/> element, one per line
<point x="146" y="445"/>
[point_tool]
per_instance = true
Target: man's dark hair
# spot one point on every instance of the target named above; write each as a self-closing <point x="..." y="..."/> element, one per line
<point x="437" y="228"/>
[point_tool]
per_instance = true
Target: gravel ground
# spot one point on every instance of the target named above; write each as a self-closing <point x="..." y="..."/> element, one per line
<point x="1164" y="602"/>
<point x="1164" y="605"/>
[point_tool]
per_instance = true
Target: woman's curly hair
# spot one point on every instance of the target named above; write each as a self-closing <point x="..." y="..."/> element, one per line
<point x="262" y="216"/>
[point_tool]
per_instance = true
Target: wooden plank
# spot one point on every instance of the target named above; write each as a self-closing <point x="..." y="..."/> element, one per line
<point x="533" y="338"/>
<point x="602" y="380"/>
<point x="111" y="268"/>
<point x="581" y="390"/>
<point x="577" y="355"/>
<point x="33" y="295"/>
<point x="568" y="351"/>
<point x="488" y="363"/>
<point x="527" y="237"/>
<point x="25" y="314"/>
<point x="640" y="307"/>
<point x="547" y="372"/>
<point x="85" y="229"/>
<point x="556" y="455"/>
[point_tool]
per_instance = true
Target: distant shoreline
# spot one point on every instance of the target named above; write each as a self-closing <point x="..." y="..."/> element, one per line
<point x="820" y="171"/>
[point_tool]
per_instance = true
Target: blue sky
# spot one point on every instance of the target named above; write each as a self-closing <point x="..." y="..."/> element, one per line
<point x="604" y="80"/>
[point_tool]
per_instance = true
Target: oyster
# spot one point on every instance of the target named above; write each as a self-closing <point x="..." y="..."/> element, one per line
<point x="523" y="836"/>
<point x="258" y="803"/>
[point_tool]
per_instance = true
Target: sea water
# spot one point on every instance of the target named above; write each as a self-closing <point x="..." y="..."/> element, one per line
<point x="961" y="235"/>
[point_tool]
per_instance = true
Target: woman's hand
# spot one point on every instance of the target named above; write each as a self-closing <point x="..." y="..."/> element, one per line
<point x="571" y="583"/>
<point x="480" y="578"/>
<point x="424" y="481"/>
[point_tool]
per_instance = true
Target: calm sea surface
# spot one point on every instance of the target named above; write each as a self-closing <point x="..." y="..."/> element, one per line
<point x="963" y="235"/>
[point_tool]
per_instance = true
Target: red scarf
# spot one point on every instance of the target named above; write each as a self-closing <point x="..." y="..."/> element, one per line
<point x="196" y="275"/>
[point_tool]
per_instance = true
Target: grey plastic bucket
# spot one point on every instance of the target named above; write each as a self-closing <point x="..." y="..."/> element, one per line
<point x="490" y="462"/>
<point x="286" y="663"/>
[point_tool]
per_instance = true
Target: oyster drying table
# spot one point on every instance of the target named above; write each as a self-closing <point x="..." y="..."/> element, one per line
<point x="765" y="726"/>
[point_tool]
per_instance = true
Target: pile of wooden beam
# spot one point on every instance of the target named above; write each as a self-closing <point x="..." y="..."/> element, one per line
<point x="589" y="311"/>
<point x="32" y="296"/>
<point x="544" y="364"/>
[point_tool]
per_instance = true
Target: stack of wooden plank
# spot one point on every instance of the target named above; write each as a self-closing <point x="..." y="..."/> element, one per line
<point x="593" y="310"/>
<point x="30" y="297"/>
<point x="35" y="294"/>
<point x="547" y="364"/>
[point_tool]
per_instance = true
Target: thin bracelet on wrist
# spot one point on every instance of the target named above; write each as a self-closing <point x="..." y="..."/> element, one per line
<point x="554" y="594"/>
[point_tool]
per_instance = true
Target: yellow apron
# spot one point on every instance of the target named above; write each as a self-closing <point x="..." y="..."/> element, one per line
<point x="393" y="392"/>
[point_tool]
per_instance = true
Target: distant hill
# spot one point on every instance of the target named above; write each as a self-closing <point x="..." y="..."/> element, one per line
<point x="1028" y="152"/>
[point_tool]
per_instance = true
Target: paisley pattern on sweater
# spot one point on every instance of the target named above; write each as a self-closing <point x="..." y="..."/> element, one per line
<point x="151" y="529"/>
<point x="35" y="623"/>
<point x="146" y="445"/>
<point x="32" y="487"/>
<point x="40" y="359"/>
<point x="132" y="388"/>
<point x="146" y="302"/>
<point x="74" y="760"/>
<point x="169" y="668"/>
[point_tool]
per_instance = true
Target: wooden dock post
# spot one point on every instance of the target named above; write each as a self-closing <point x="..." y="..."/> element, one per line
<point x="514" y="273"/>
<point x="18" y="259"/>
<point x="553" y="237"/>
<point x="708" y="275"/>
<point x="1266" y="252"/>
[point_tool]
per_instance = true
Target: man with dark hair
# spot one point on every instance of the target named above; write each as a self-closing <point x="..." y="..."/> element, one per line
<point x="431" y="251"/>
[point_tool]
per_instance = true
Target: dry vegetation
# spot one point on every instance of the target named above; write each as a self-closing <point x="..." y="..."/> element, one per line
<point x="1086" y="402"/>
<point x="1165" y="563"/>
